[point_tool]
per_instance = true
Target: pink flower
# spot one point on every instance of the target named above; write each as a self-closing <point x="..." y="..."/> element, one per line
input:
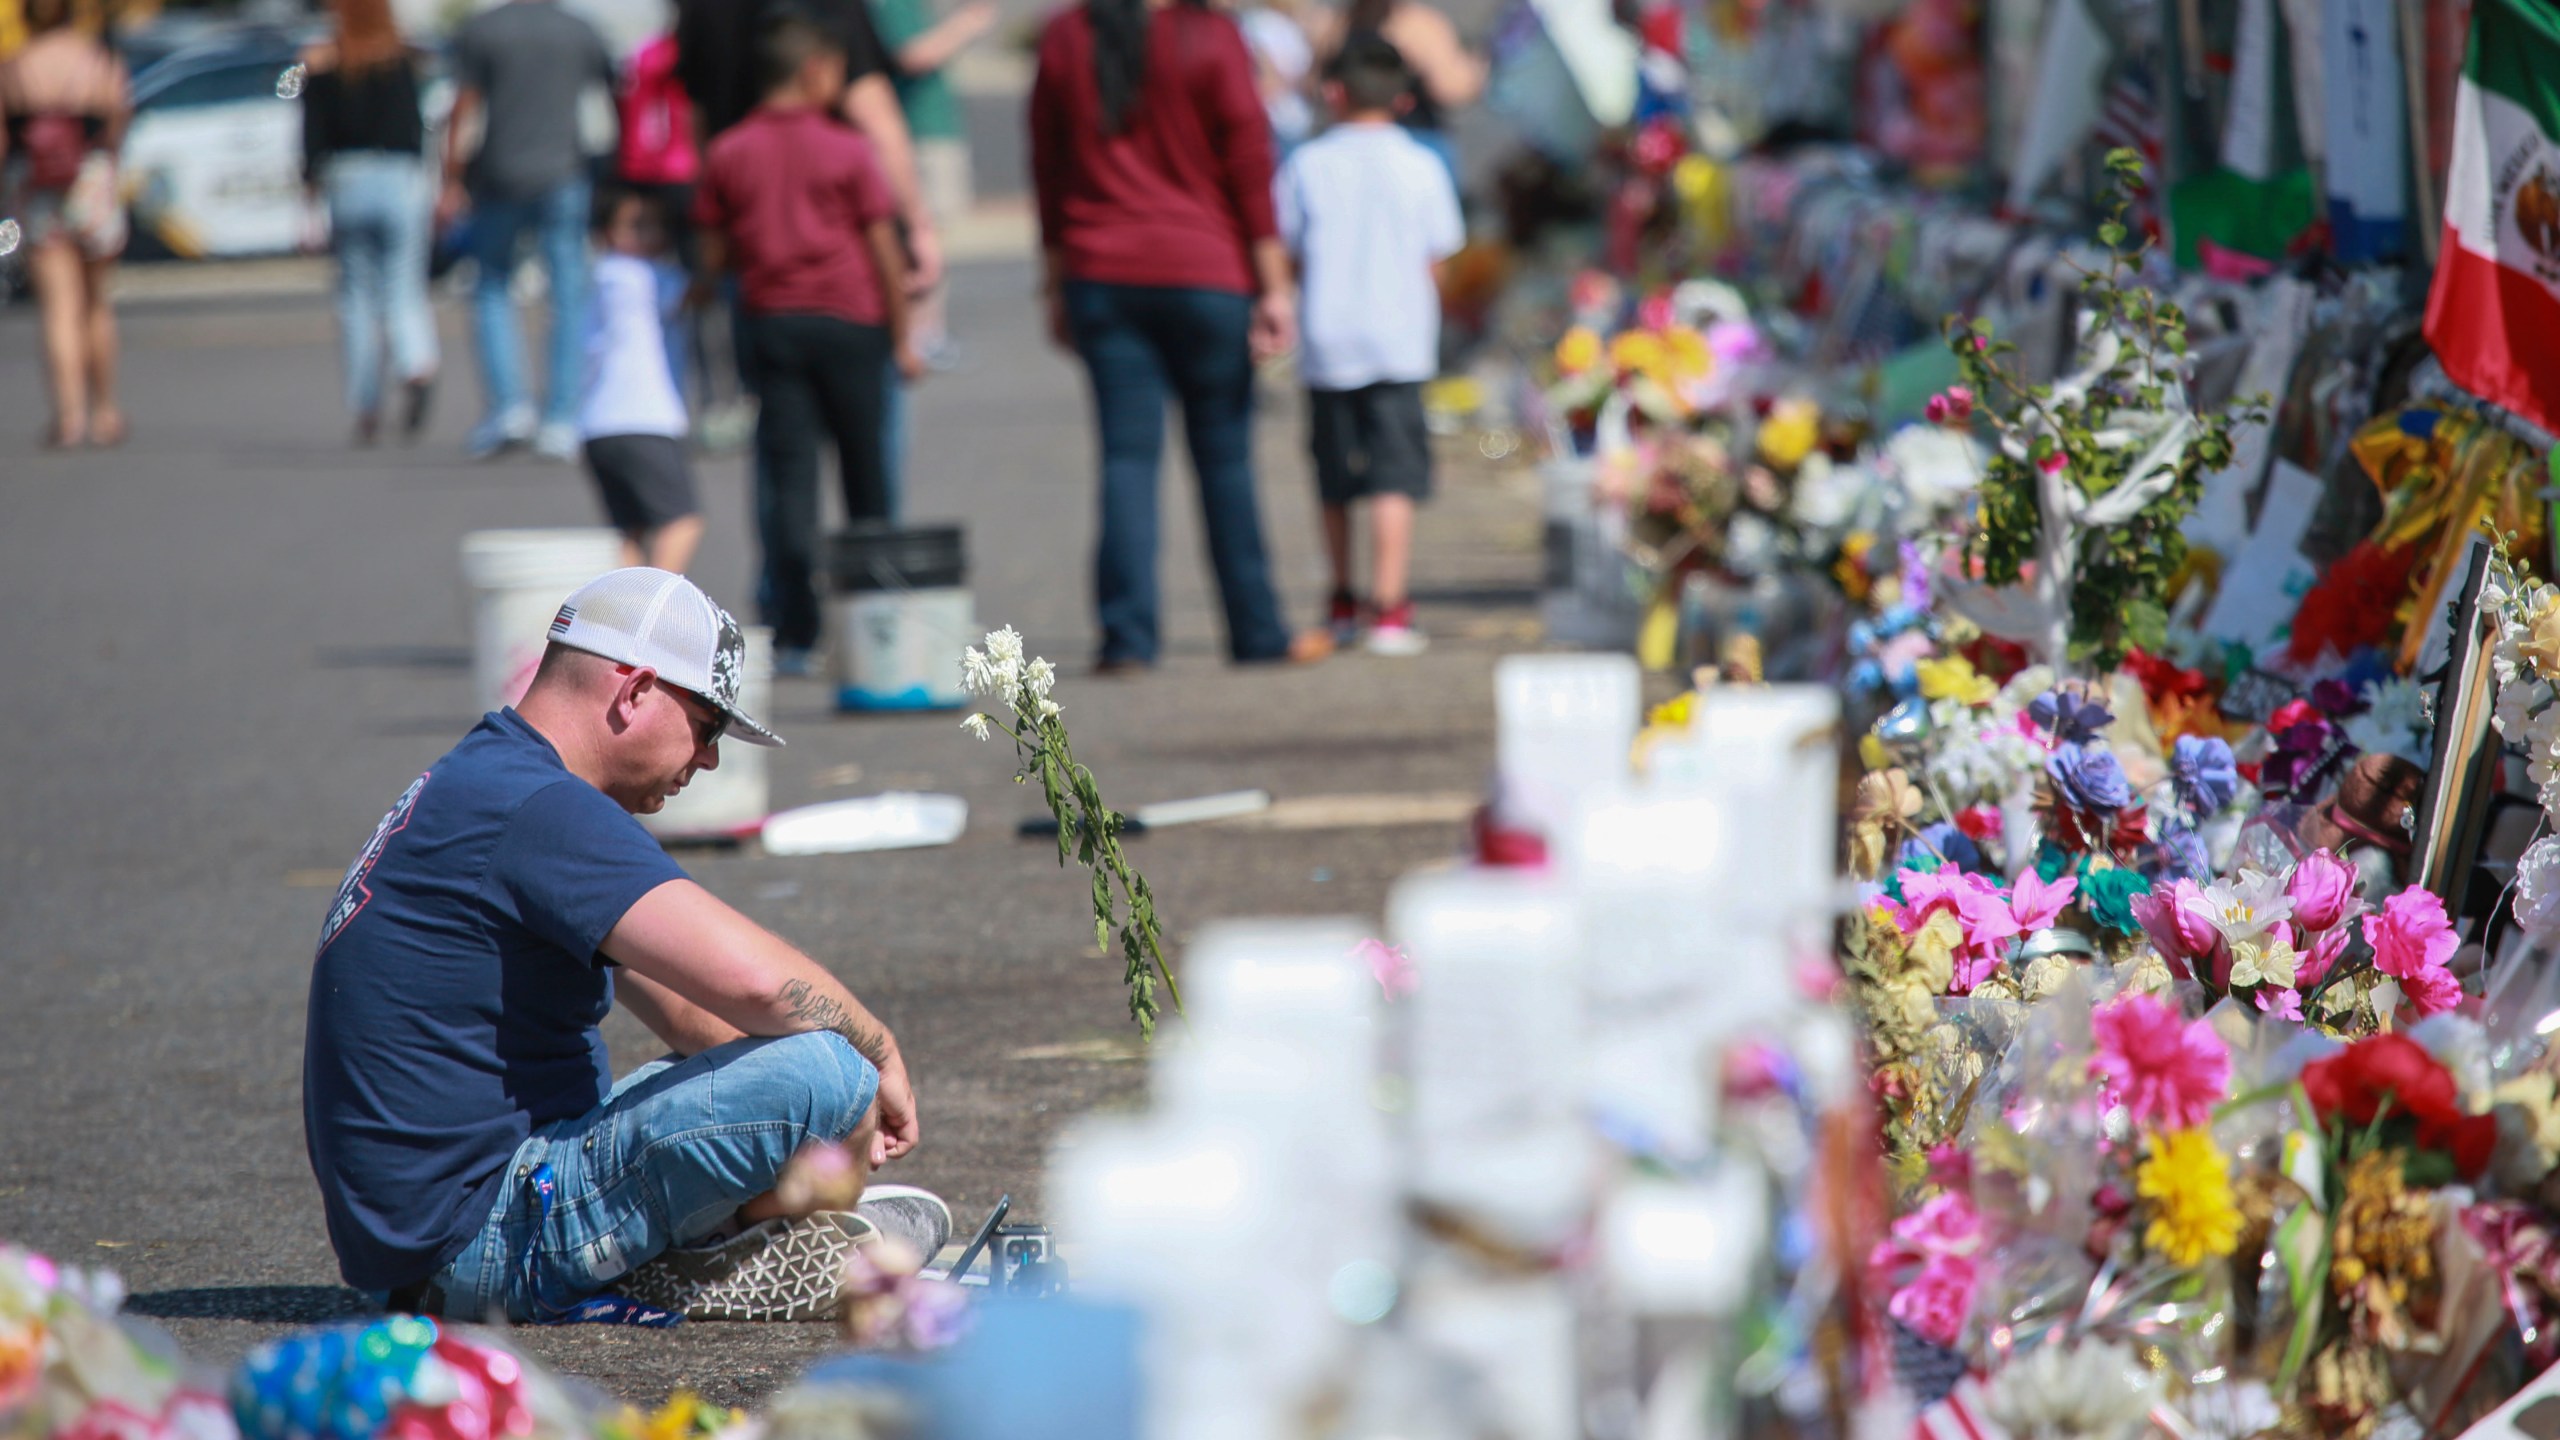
<point x="2432" y="990"/>
<point x="2179" y="921"/>
<point x="1952" y="1167"/>
<point x="2411" y="935"/>
<point x="1937" y="1301"/>
<point x="2055" y="463"/>
<point x="2324" y="952"/>
<point x="1654" y="312"/>
<point x="1981" y="912"/>
<point x="1947" y="1225"/>
<point x="2166" y="1071"/>
<point x="2034" y="904"/>
<point x="2323" y="889"/>
<point x="1952" y="407"/>
<point x="2278" y="1004"/>
<point x="1389" y="966"/>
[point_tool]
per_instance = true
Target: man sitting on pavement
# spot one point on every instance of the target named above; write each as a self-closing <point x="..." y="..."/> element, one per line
<point x="475" y="1157"/>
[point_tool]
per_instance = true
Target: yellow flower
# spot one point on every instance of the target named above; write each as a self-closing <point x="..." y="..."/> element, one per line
<point x="1636" y="350"/>
<point x="1954" y="678"/>
<point x="1675" y="712"/>
<point x="1790" y="432"/>
<point x="2541" y="645"/>
<point x="2188" y="1184"/>
<point x="1687" y="349"/>
<point x="1933" y="951"/>
<point x="1578" y="351"/>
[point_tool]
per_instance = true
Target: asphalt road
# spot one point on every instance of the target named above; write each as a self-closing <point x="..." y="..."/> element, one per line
<point x="231" y="643"/>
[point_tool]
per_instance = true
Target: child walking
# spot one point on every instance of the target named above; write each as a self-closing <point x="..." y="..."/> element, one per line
<point x="1369" y="214"/>
<point x="631" y="417"/>
<point x="794" y="200"/>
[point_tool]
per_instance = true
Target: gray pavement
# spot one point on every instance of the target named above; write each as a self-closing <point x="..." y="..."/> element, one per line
<point x="229" y="644"/>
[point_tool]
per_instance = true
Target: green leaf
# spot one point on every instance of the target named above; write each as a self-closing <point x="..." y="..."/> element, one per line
<point x="2111" y="234"/>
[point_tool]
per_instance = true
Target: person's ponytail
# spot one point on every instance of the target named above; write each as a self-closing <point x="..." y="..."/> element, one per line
<point x="1119" y="57"/>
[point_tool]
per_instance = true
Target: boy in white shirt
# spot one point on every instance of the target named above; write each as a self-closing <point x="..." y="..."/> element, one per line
<point x="632" y="417"/>
<point x="1369" y="214"/>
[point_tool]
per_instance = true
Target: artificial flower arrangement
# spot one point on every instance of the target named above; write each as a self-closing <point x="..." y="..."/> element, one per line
<point x="71" y="1365"/>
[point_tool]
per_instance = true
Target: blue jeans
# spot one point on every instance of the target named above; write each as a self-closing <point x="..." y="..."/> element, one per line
<point x="557" y="219"/>
<point x="1138" y="343"/>
<point x="379" y="206"/>
<point x="669" y="1156"/>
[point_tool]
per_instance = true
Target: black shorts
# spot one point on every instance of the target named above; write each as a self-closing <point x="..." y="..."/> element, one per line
<point x="1370" y="441"/>
<point x="645" y="480"/>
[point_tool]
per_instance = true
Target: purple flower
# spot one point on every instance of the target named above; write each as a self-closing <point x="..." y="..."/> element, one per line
<point x="2069" y="718"/>
<point x="2337" y="699"/>
<point x="1915" y="576"/>
<point x="2087" y="777"/>
<point x="1943" y="838"/>
<point x="2205" y="775"/>
<point x="2185" y="852"/>
<point x="2306" y="752"/>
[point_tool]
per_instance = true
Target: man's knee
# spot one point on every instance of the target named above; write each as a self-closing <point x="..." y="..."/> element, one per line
<point x="817" y="1080"/>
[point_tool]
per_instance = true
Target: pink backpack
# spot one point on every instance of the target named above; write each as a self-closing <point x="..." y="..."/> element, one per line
<point x="657" y="119"/>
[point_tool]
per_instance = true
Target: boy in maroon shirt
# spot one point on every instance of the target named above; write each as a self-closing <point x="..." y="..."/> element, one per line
<point x="795" y="201"/>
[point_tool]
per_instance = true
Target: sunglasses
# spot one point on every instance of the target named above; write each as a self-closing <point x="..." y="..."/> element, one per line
<point x="706" y="733"/>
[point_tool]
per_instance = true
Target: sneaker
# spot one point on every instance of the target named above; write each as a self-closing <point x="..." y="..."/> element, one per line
<point x="791" y="1269"/>
<point x="419" y="396"/>
<point x="557" y="441"/>
<point x="915" y="1218"/>
<point x="499" y="433"/>
<point x="1394" y="635"/>
<point x="1342" y="617"/>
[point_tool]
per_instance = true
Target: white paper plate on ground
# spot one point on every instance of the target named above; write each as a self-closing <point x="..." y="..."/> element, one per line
<point x="898" y="820"/>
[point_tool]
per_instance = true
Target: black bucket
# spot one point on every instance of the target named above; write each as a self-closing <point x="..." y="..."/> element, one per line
<point x="885" y="557"/>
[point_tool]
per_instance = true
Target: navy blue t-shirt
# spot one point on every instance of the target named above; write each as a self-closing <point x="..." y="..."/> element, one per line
<point x="456" y="994"/>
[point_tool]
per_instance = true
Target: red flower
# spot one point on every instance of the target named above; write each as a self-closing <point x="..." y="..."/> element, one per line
<point x="2355" y="1084"/>
<point x="1980" y="822"/>
<point x="2163" y="680"/>
<point x="2292" y="713"/>
<point x="2355" y="604"/>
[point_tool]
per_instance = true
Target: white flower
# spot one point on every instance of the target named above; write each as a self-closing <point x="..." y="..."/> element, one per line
<point x="1039" y="676"/>
<point x="2538" y="886"/>
<point x="976" y="725"/>
<point x="2090" y="1391"/>
<point x="1047" y="708"/>
<point x="2247" y="905"/>
<point x="1004" y="647"/>
<point x="2397" y="722"/>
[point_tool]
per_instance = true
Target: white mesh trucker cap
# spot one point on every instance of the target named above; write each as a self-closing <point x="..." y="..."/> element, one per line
<point x="656" y="618"/>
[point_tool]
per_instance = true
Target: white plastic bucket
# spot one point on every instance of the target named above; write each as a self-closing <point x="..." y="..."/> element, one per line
<point x="731" y="801"/>
<point x="518" y="579"/>
<point x="900" y="649"/>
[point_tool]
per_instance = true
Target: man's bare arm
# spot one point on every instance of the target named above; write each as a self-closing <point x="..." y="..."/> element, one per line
<point x="685" y="938"/>
<point x="687" y="1028"/>
<point x="689" y="940"/>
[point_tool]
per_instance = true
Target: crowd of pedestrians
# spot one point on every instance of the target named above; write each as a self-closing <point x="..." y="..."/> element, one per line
<point x="745" y="214"/>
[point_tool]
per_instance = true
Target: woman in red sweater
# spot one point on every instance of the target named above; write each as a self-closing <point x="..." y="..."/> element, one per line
<point x="1164" y="271"/>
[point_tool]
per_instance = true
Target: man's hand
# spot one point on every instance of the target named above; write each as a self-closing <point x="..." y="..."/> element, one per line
<point x="899" y="1128"/>
<point x="911" y="366"/>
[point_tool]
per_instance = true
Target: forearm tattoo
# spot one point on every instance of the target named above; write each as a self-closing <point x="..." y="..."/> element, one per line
<point x="825" y="1012"/>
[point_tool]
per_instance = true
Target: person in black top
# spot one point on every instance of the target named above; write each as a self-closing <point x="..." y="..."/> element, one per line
<point x="363" y="150"/>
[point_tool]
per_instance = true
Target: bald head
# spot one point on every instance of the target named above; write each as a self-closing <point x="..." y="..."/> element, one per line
<point x="573" y="672"/>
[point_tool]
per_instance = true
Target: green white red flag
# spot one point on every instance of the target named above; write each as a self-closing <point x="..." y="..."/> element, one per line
<point x="2493" y="315"/>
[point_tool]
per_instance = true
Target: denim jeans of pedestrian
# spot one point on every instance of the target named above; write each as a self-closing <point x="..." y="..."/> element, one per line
<point x="1141" y="343"/>
<point x="817" y="377"/>
<point x="380" y="205"/>
<point x="668" y="1158"/>
<point x="556" y="223"/>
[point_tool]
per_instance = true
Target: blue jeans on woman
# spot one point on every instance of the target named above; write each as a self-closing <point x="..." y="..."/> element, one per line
<point x="380" y="203"/>
<point x="669" y="1156"/>
<point x="557" y="221"/>
<point x="1140" y="342"/>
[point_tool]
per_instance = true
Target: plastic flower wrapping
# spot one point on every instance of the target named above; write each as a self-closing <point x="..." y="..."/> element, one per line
<point x="70" y="1365"/>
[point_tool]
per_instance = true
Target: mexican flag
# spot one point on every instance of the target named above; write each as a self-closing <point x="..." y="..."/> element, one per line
<point x="2494" y="313"/>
